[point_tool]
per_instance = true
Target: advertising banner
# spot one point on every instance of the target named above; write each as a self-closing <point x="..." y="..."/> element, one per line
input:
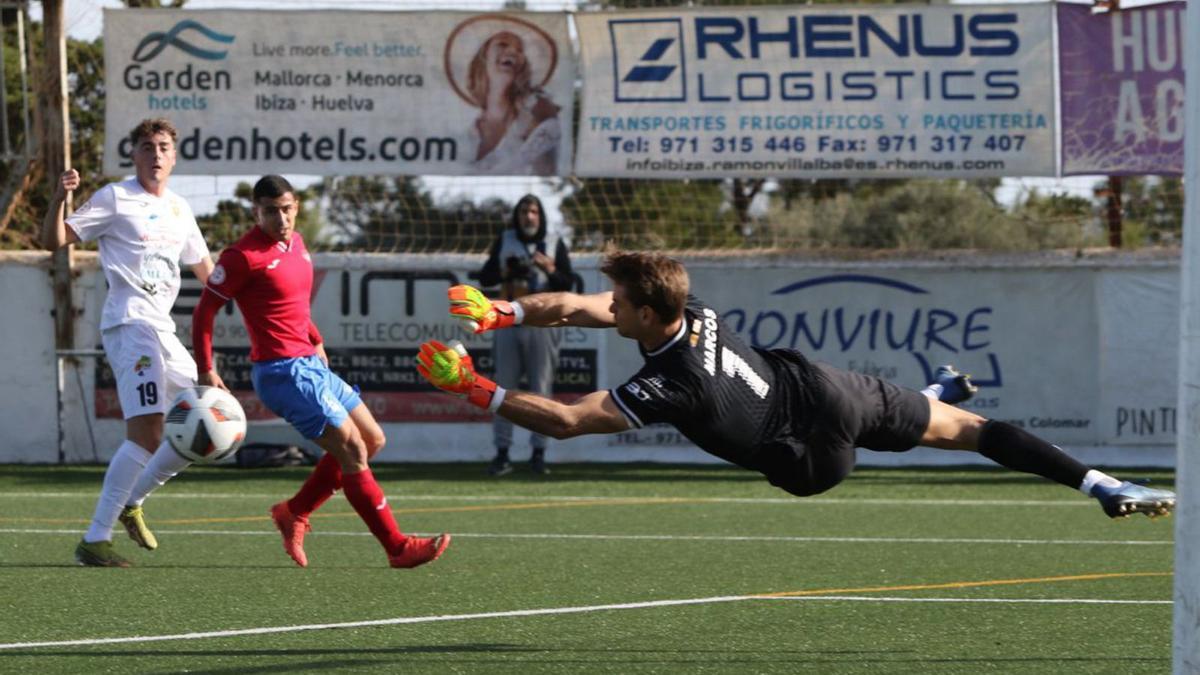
<point x="373" y="322"/>
<point x="1098" y="375"/>
<point x="1139" y="373"/>
<point x="1122" y="90"/>
<point x="343" y="92"/>
<point x="1084" y="355"/>
<point x="818" y="92"/>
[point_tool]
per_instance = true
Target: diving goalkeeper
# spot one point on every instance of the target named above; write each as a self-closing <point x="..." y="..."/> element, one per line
<point x="795" y="421"/>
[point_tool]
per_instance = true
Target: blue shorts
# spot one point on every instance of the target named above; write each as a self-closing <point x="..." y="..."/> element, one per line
<point x="305" y="392"/>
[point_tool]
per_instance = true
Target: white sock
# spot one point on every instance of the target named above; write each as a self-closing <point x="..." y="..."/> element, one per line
<point x="163" y="466"/>
<point x="1093" y="478"/>
<point x="934" y="391"/>
<point x="122" y="473"/>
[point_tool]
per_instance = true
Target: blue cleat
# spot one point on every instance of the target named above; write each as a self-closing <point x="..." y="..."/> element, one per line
<point x="956" y="387"/>
<point x="1128" y="498"/>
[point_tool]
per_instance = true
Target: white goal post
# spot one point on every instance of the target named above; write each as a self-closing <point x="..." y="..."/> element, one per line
<point x="1186" y="656"/>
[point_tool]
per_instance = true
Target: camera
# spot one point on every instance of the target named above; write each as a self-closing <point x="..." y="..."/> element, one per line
<point x="518" y="267"/>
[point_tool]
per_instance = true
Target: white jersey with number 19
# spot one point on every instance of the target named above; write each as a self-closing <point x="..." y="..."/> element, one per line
<point x="143" y="239"/>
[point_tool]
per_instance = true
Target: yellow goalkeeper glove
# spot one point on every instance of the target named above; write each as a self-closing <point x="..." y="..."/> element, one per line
<point x="479" y="314"/>
<point x="450" y="369"/>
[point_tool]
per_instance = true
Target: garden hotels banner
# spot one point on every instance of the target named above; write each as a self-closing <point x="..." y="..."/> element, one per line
<point x="343" y="92"/>
<point x="818" y="92"/>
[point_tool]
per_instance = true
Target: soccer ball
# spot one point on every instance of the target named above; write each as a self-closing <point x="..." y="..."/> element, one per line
<point x="205" y="424"/>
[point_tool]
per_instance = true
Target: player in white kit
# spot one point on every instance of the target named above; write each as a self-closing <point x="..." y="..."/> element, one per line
<point x="144" y="232"/>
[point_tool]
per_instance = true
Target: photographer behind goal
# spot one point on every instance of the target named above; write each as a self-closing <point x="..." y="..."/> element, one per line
<point x="525" y="259"/>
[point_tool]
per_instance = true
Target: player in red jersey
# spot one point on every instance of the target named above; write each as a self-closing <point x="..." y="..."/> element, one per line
<point x="269" y="273"/>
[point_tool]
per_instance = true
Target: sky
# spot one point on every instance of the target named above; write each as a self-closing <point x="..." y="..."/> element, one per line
<point x="85" y="22"/>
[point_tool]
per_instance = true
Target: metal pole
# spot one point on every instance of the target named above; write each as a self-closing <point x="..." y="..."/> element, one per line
<point x="63" y="356"/>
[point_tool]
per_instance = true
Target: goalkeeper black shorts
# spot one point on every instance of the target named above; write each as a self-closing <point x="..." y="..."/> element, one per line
<point x="849" y="410"/>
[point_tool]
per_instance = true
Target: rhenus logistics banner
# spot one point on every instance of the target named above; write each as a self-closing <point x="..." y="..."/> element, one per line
<point x="818" y="92"/>
<point x="323" y="92"/>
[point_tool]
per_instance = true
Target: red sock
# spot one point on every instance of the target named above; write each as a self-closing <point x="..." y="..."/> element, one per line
<point x="325" y="479"/>
<point x="367" y="498"/>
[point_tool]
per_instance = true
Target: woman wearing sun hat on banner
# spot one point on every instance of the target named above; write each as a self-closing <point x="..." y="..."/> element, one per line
<point x="500" y="64"/>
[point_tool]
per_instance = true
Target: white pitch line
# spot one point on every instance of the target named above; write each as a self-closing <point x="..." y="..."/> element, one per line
<point x="522" y="613"/>
<point x="1028" y="601"/>
<point x="661" y="537"/>
<point x="377" y="622"/>
<point x="634" y="500"/>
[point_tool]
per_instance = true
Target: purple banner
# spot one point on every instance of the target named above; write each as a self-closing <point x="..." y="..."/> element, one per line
<point x="1122" y="90"/>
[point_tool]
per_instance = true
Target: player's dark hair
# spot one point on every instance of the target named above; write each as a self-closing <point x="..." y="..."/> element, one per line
<point x="650" y="280"/>
<point x="155" y="125"/>
<point x="272" y="187"/>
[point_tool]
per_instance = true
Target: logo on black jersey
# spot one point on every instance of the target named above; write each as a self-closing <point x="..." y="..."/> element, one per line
<point x="637" y="391"/>
<point x="646" y="388"/>
<point x="710" y="341"/>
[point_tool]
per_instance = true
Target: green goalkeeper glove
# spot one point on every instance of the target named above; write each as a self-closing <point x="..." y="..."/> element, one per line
<point x="450" y="369"/>
<point x="479" y="314"/>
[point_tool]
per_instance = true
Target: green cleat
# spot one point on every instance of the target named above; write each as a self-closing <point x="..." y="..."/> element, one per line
<point x="99" y="554"/>
<point x="135" y="524"/>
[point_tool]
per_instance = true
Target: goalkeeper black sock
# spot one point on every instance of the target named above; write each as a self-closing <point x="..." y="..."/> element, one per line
<point x="502" y="454"/>
<point x="1020" y="450"/>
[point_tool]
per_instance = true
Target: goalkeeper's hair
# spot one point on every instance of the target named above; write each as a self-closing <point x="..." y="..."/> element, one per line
<point x="272" y="187"/>
<point x="650" y="280"/>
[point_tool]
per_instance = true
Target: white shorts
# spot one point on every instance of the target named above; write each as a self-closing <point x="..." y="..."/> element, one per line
<point x="150" y="367"/>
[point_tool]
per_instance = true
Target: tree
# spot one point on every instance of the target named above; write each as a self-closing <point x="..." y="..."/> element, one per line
<point x="931" y="214"/>
<point x="1152" y="210"/>
<point x="378" y="214"/>
<point x="638" y="213"/>
<point x="233" y="218"/>
<point x="27" y="200"/>
<point x="1058" y="221"/>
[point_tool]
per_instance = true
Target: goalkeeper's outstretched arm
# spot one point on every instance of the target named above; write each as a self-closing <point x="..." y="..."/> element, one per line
<point x="450" y="368"/>
<point x="568" y="309"/>
<point x="595" y="413"/>
<point x="480" y="314"/>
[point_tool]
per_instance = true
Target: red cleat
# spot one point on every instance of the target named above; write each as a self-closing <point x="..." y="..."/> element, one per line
<point x="293" y="528"/>
<point x="420" y="550"/>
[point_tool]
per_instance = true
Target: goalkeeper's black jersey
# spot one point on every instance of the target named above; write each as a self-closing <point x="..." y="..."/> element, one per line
<point x="726" y="397"/>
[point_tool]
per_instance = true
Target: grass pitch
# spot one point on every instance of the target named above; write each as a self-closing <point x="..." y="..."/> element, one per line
<point x="594" y="568"/>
